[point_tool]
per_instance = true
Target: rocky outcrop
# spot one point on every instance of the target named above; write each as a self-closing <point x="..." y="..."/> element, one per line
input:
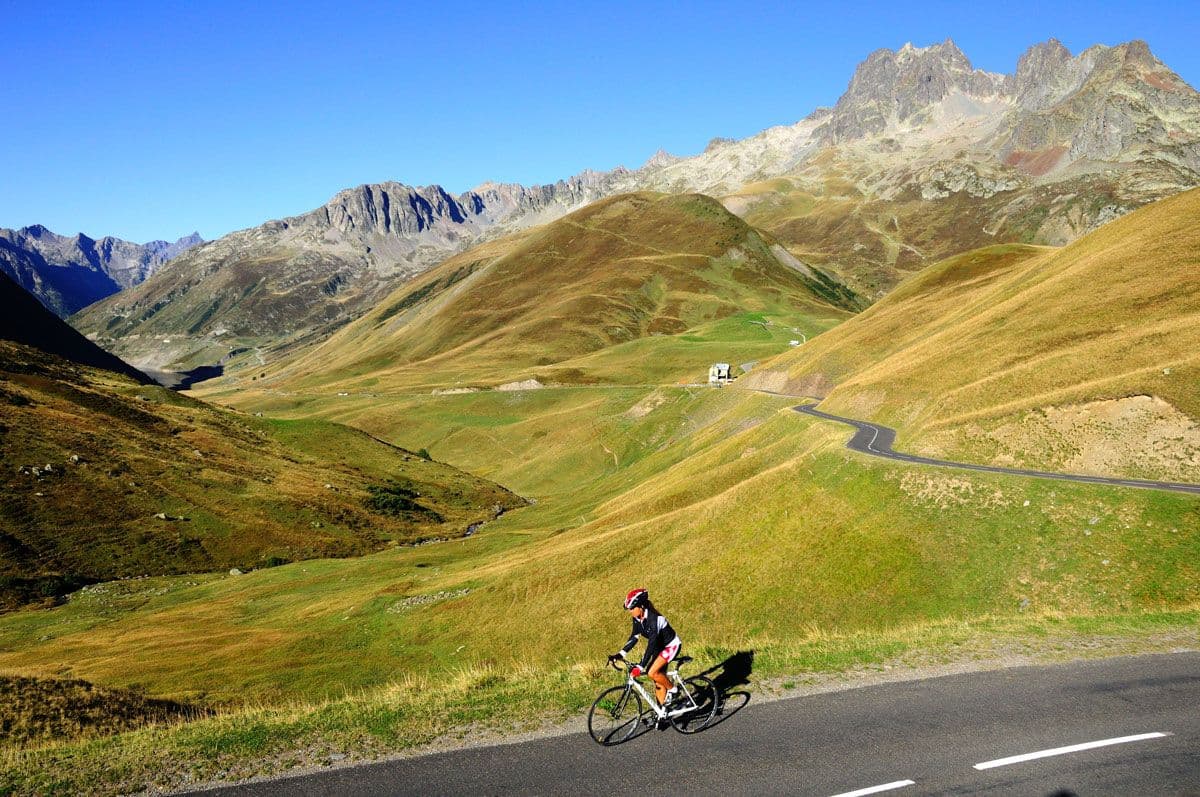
<point x="69" y="273"/>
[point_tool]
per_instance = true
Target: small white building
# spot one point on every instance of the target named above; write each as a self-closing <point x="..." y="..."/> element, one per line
<point x="719" y="374"/>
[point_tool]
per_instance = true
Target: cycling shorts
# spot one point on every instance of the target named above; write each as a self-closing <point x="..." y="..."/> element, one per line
<point x="671" y="650"/>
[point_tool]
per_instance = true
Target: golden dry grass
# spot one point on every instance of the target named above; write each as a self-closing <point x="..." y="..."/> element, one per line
<point x="993" y="333"/>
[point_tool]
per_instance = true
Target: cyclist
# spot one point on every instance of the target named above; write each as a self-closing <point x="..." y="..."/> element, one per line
<point x="662" y="643"/>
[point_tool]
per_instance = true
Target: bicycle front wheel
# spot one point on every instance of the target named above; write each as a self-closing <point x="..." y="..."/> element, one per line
<point x="701" y="702"/>
<point x="615" y="716"/>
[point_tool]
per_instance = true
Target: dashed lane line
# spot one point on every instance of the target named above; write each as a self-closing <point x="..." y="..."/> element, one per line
<point x="1074" y="748"/>
<point x="899" y="784"/>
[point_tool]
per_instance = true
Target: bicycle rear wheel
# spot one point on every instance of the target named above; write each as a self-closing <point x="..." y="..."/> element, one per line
<point x="704" y="701"/>
<point x="615" y="716"/>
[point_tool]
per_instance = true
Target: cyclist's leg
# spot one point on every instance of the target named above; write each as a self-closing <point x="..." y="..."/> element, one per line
<point x="658" y="673"/>
<point x="658" y="669"/>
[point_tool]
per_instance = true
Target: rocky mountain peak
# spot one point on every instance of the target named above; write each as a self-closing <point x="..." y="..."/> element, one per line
<point x="891" y="88"/>
<point x="1107" y="104"/>
<point x="1047" y="73"/>
<point x="717" y="143"/>
<point x="67" y="273"/>
<point x="660" y="158"/>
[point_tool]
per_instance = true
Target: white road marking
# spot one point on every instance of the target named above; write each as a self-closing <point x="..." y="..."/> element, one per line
<point x="899" y="784"/>
<point x="1075" y="748"/>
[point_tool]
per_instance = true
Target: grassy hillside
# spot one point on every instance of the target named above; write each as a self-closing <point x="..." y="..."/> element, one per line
<point x="750" y="522"/>
<point x="633" y="288"/>
<point x="106" y="478"/>
<point x="1083" y="357"/>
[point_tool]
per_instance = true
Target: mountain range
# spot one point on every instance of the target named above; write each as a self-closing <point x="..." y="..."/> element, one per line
<point x="68" y="273"/>
<point x="922" y="157"/>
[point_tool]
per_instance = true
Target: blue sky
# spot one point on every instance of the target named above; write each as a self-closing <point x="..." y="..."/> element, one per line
<point x="150" y="120"/>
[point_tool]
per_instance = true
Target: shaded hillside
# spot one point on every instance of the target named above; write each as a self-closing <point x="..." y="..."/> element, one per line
<point x="26" y="321"/>
<point x="1086" y="356"/>
<point x="106" y="478"/>
<point x="34" y="710"/>
<point x="638" y="267"/>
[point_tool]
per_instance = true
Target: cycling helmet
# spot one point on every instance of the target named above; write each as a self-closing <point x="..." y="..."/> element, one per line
<point x="637" y="597"/>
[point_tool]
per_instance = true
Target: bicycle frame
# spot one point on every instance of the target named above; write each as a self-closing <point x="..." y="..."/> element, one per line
<point x="659" y="710"/>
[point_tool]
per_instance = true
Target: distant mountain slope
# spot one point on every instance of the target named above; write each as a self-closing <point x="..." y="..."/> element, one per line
<point x="629" y="268"/>
<point x="68" y="273"/>
<point x="305" y="276"/>
<point x="1085" y="357"/>
<point x="921" y="158"/>
<point x="26" y="321"/>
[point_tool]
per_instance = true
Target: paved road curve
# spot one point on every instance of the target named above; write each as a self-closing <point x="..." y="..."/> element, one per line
<point x="877" y="440"/>
<point x="918" y="737"/>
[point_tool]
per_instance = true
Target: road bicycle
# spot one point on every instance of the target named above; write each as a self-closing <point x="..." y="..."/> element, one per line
<point x="622" y="711"/>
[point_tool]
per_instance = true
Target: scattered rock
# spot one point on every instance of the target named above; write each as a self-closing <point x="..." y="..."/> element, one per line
<point x="528" y="384"/>
<point x="424" y="600"/>
<point x="235" y="572"/>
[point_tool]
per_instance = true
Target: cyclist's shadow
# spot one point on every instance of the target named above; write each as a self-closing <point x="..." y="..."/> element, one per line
<point x="727" y="677"/>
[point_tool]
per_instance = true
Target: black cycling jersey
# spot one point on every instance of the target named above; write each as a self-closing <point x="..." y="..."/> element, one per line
<point x="657" y="631"/>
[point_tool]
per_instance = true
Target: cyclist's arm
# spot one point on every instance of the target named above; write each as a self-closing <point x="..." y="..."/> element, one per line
<point x="629" y="645"/>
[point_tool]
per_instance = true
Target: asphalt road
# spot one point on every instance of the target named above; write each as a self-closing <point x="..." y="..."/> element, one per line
<point x="878" y="440"/>
<point x="916" y="738"/>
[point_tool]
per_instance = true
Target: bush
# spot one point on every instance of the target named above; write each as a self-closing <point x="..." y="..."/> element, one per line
<point x="396" y="499"/>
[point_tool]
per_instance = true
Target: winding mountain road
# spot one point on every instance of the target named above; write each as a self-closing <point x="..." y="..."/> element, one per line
<point x="1115" y="726"/>
<point x="877" y="440"/>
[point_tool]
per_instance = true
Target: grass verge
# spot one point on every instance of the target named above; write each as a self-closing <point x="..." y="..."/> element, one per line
<point x="415" y="713"/>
